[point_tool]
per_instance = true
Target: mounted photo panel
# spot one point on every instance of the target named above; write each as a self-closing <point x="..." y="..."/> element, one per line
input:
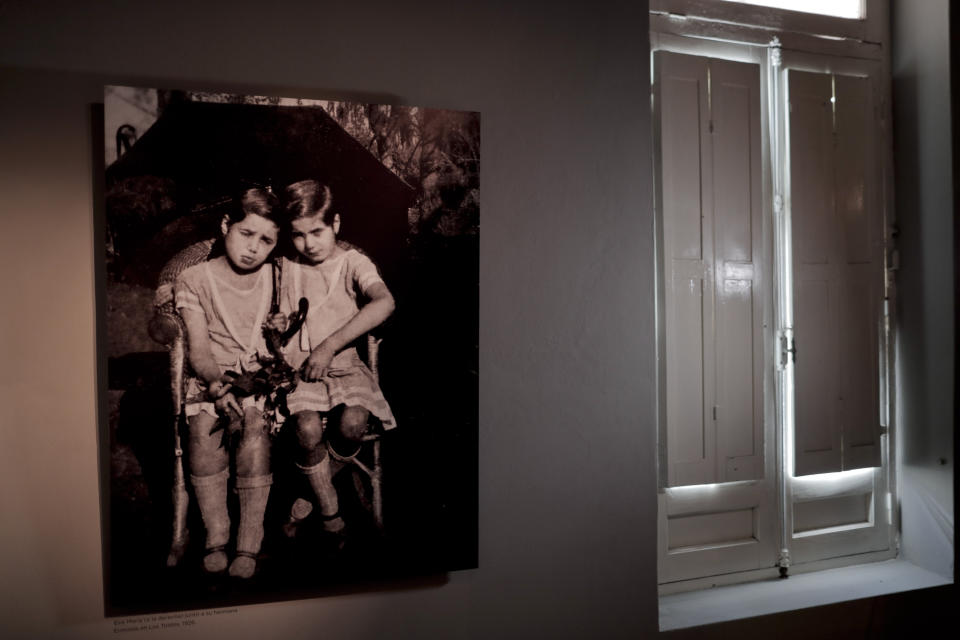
<point x="289" y="326"/>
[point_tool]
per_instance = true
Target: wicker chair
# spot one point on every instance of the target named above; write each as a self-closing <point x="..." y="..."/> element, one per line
<point x="167" y="328"/>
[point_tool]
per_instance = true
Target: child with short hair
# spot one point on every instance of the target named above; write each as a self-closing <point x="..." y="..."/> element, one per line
<point x="224" y="303"/>
<point x="347" y="299"/>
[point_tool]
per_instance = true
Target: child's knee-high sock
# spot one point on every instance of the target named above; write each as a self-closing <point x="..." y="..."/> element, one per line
<point x="211" y="492"/>
<point x="320" y="481"/>
<point x="253" y="493"/>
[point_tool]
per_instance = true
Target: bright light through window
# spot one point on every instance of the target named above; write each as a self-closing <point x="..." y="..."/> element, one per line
<point x="837" y="8"/>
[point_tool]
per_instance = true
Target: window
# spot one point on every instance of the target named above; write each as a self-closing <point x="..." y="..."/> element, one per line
<point x="837" y="8"/>
<point x="812" y="30"/>
<point x="772" y="328"/>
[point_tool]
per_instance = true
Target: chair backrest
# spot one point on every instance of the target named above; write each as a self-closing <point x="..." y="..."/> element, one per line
<point x="165" y="326"/>
<point x="193" y="254"/>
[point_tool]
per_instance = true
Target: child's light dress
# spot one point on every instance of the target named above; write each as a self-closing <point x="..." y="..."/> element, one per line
<point x="234" y="322"/>
<point x="331" y="288"/>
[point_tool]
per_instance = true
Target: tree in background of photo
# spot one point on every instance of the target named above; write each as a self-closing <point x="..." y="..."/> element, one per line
<point x="437" y="152"/>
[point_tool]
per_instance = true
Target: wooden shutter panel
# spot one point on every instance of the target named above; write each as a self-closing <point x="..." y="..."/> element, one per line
<point x="837" y="266"/>
<point x="859" y="210"/>
<point x="738" y="241"/>
<point x="688" y="296"/>
<point x="710" y="199"/>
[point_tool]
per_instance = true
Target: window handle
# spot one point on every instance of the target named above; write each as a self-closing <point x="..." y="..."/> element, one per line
<point x="788" y="348"/>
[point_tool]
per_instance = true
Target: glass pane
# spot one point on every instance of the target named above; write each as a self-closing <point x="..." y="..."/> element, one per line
<point x="837" y="8"/>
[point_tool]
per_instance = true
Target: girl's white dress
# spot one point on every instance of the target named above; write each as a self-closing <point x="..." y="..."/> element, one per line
<point x="235" y="320"/>
<point x="331" y="288"/>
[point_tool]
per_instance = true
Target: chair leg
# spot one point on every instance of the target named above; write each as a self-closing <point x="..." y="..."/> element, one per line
<point x="178" y="543"/>
<point x="373" y="504"/>
<point x="375" y="486"/>
<point x="178" y="495"/>
<point x="360" y="490"/>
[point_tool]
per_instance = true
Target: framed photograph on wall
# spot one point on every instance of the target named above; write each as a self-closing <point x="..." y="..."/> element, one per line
<point x="290" y="334"/>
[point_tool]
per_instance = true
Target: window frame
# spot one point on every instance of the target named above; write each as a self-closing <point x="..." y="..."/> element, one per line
<point x="676" y="25"/>
<point x="873" y="28"/>
<point x="846" y="539"/>
<point x="763" y="492"/>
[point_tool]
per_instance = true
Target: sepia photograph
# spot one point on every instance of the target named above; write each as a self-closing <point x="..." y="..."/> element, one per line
<point x="289" y="326"/>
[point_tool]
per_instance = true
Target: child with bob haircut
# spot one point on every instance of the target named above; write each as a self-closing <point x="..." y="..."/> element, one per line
<point x="224" y="303"/>
<point x="347" y="299"/>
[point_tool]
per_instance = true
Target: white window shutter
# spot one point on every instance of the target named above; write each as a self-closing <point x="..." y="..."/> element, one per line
<point x="711" y="207"/>
<point x="859" y="210"/>
<point x="688" y="296"/>
<point x="837" y="267"/>
<point x="738" y="248"/>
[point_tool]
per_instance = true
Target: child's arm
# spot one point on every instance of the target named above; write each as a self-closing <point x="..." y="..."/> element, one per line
<point x="198" y="343"/>
<point x="201" y="359"/>
<point x="370" y="316"/>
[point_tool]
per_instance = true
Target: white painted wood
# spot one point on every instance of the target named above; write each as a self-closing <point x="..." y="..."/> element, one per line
<point x="873" y="28"/>
<point x="836" y="216"/>
<point x="711" y="529"/>
<point x="738" y="210"/>
<point x="817" y="439"/>
<point x="861" y="263"/>
<point x="827" y="513"/>
<point x="687" y="252"/>
<point x="851" y="9"/>
<point x="717" y="35"/>
<point x="720" y="556"/>
<point x="717" y="529"/>
<point x="682" y="501"/>
<point x="711" y="246"/>
<point x="840" y="541"/>
<point x="807" y="488"/>
<point x="822" y="548"/>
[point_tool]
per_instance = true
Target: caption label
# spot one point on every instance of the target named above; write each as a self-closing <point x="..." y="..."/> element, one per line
<point x="162" y="621"/>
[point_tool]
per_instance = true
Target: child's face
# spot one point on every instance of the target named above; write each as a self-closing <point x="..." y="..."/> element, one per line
<point x="314" y="239"/>
<point x="250" y="241"/>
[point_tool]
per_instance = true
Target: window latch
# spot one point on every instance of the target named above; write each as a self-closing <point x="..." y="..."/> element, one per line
<point x="788" y="350"/>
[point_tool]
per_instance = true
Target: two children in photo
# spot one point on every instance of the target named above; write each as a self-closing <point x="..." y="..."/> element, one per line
<point x="226" y="304"/>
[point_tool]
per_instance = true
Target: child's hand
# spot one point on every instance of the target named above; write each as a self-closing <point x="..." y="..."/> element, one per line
<point x="316" y="365"/>
<point x="228" y="401"/>
<point x="219" y="392"/>
<point x="217" y="388"/>
<point x="276" y="322"/>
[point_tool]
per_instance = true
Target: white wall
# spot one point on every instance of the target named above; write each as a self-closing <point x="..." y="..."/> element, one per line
<point x="925" y="210"/>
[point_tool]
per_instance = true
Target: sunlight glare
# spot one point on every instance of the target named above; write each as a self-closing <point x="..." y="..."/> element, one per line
<point x="836" y="8"/>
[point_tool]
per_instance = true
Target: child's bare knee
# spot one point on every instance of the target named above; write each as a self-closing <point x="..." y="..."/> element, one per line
<point x="309" y="429"/>
<point x="353" y="423"/>
<point x="200" y="425"/>
<point x="206" y="454"/>
<point x="202" y="439"/>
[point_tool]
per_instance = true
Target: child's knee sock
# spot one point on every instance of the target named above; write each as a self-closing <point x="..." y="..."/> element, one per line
<point x="253" y="493"/>
<point x="320" y="481"/>
<point x="211" y="492"/>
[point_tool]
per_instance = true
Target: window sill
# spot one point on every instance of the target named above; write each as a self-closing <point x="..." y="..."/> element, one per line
<point x="800" y="591"/>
